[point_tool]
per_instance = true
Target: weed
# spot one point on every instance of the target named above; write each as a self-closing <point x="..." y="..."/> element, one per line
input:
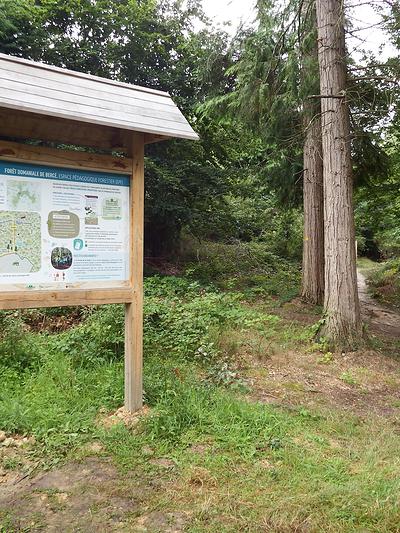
<point x="347" y="377"/>
<point x="248" y="267"/>
<point x="11" y="463"/>
<point x="326" y="358"/>
<point x="261" y="467"/>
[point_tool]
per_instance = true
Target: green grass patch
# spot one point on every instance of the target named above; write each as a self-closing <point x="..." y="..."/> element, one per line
<point x="367" y="266"/>
<point x="237" y="465"/>
<point x="53" y="385"/>
<point x="266" y="467"/>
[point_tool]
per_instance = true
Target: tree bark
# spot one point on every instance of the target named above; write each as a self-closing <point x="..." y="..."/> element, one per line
<point x="313" y="202"/>
<point x="343" y="327"/>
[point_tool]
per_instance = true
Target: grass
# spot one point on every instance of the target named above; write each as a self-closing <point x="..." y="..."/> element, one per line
<point x="250" y="268"/>
<point x="367" y="266"/>
<point x="237" y="465"/>
<point x="347" y="377"/>
<point x="263" y="467"/>
<point x="53" y="385"/>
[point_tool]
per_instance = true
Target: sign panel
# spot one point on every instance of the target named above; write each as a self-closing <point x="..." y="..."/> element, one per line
<point x="62" y="227"/>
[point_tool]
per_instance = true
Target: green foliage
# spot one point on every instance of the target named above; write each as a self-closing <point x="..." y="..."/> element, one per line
<point x="184" y="320"/>
<point x="375" y="96"/>
<point x="99" y="338"/>
<point x="267" y="98"/>
<point x="249" y="267"/>
<point x="20" y="34"/>
<point x="53" y="385"/>
<point x="378" y="207"/>
<point x="385" y="282"/>
<point x="184" y="188"/>
<point x="18" y="349"/>
<point x="152" y="44"/>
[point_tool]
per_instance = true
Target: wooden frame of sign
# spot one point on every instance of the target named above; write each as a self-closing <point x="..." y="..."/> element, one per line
<point x="130" y="292"/>
<point x="106" y="125"/>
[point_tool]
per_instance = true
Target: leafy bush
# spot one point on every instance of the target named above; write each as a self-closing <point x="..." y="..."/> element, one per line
<point x="260" y="217"/>
<point x="18" y="348"/>
<point x="100" y="338"/>
<point x="54" y="384"/>
<point x="179" y="326"/>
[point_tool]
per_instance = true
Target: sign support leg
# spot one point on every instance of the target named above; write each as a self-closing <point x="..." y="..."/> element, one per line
<point x="134" y="310"/>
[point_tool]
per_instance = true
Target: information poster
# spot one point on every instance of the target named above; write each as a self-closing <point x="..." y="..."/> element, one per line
<point x="62" y="226"/>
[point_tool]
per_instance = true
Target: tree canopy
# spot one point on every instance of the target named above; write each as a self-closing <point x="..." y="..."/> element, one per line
<point x="244" y="95"/>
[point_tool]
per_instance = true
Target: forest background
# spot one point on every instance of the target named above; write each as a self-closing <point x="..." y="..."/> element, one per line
<point x="243" y="180"/>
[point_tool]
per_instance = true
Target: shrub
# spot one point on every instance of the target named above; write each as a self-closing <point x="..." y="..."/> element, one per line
<point x="18" y="348"/>
<point x="249" y="267"/>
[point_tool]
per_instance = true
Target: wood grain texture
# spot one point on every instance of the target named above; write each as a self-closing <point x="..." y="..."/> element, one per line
<point x="11" y="151"/>
<point x="18" y="63"/>
<point x="134" y="310"/>
<point x="65" y="297"/>
<point x="88" y="94"/>
<point x="19" y="124"/>
<point x="55" y="109"/>
<point x="62" y="102"/>
<point x="38" y="88"/>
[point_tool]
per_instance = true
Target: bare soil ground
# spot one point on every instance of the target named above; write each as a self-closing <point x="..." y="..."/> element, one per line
<point x="90" y="495"/>
<point x="382" y="320"/>
<point x="362" y="382"/>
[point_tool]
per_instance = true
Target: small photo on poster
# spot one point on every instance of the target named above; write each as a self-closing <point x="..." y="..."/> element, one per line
<point x="91" y="210"/>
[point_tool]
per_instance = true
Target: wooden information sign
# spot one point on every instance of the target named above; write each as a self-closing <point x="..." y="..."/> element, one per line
<point x="71" y="221"/>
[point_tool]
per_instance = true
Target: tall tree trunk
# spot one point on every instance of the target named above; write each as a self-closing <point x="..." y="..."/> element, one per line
<point x="313" y="202"/>
<point x="312" y="289"/>
<point x="343" y="326"/>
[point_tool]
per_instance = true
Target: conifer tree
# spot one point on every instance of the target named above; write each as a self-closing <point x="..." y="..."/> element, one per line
<point x="313" y="242"/>
<point x="343" y="326"/>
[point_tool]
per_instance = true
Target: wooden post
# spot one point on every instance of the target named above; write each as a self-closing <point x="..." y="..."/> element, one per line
<point x="134" y="310"/>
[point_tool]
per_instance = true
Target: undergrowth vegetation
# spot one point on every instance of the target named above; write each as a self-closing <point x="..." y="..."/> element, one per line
<point x="285" y="466"/>
<point x="385" y="282"/>
<point x="253" y="268"/>
<point x="53" y="385"/>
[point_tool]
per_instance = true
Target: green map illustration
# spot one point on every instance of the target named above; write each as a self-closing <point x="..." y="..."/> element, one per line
<point x="20" y="242"/>
<point x="23" y="195"/>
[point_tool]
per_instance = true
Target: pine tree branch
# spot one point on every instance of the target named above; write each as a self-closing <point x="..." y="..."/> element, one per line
<point x="375" y="65"/>
<point x="326" y="96"/>
<point x="375" y="78"/>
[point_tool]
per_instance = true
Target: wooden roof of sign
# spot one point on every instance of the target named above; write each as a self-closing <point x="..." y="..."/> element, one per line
<point x="30" y="87"/>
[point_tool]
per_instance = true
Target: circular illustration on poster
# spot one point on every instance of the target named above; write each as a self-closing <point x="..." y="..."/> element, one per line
<point x="61" y="258"/>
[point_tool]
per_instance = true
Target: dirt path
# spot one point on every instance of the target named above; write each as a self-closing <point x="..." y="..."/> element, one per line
<point x="364" y="382"/>
<point x="381" y="320"/>
<point x="89" y="495"/>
